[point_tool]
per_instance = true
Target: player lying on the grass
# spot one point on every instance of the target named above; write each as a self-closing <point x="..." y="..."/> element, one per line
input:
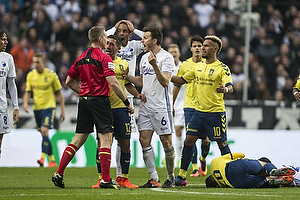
<point x="296" y="181"/>
<point x="233" y="170"/>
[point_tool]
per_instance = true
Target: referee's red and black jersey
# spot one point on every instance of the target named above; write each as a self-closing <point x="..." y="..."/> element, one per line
<point x="92" y="67"/>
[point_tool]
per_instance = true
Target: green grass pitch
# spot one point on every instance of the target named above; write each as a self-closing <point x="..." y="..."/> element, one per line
<point x="35" y="183"/>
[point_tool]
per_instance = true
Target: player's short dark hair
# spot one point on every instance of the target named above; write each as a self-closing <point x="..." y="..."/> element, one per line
<point x="2" y="33"/>
<point x="117" y="38"/>
<point x="265" y="159"/>
<point x="210" y="182"/>
<point x="196" y="38"/>
<point x="155" y="34"/>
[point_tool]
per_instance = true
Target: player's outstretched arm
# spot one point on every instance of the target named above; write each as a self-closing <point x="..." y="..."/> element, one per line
<point x="132" y="90"/>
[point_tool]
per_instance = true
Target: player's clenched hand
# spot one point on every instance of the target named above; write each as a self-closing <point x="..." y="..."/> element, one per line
<point x="131" y="109"/>
<point x="152" y="58"/>
<point x="142" y="97"/>
<point x="16" y="116"/>
<point x="221" y="88"/>
<point x="297" y="96"/>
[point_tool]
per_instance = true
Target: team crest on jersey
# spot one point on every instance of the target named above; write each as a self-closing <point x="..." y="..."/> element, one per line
<point x="3" y="64"/>
<point x="211" y="71"/>
<point x="46" y="79"/>
<point x="121" y="67"/>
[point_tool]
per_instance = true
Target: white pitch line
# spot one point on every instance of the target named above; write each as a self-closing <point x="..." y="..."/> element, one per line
<point x="211" y="193"/>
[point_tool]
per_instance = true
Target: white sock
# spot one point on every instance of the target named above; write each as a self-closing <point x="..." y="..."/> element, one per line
<point x="149" y="159"/>
<point x="178" y="147"/>
<point x="170" y="157"/>
<point x="118" y="161"/>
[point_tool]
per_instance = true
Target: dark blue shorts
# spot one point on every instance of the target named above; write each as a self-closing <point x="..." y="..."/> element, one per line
<point x="204" y="124"/>
<point x="188" y="113"/>
<point x="121" y="123"/>
<point x="44" y="117"/>
<point x="246" y="173"/>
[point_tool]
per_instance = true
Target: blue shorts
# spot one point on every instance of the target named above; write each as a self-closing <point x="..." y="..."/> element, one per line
<point x="204" y="124"/>
<point x="44" y="117"/>
<point x="246" y="173"/>
<point x="121" y="123"/>
<point x="188" y="113"/>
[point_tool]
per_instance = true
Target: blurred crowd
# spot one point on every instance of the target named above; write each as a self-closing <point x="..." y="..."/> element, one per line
<point x="59" y="28"/>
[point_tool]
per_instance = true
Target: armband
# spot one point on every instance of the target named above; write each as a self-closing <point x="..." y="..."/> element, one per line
<point x="126" y="102"/>
<point x="295" y="93"/>
<point x="226" y="90"/>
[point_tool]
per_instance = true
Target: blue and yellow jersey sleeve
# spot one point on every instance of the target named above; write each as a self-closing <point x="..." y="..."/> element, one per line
<point x="120" y="65"/>
<point x="218" y="166"/>
<point x="43" y="86"/>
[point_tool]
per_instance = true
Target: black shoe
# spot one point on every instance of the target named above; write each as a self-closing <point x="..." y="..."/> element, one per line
<point x="111" y="184"/>
<point x="151" y="184"/>
<point x="168" y="184"/>
<point x="58" y="180"/>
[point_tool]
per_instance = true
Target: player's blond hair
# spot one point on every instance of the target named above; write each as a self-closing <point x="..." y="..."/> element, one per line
<point x="173" y="46"/>
<point x="215" y="39"/>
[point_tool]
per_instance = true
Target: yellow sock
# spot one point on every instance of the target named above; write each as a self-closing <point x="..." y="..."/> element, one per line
<point x="43" y="156"/>
<point x="195" y="166"/>
<point x="100" y="176"/>
<point x="124" y="175"/>
<point x="202" y="159"/>
<point x="182" y="173"/>
<point x="51" y="158"/>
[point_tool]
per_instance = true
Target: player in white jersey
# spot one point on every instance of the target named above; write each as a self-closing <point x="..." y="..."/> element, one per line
<point x="129" y="52"/>
<point x="179" y="122"/>
<point x="7" y="76"/>
<point x="155" y="114"/>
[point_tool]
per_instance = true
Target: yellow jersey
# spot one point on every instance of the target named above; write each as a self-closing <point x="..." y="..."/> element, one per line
<point x="43" y="87"/>
<point x="218" y="166"/>
<point x="120" y="65"/>
<point x="207" y="78"/>
<point x="297" y="85"/>
<point x="191" y="87"/>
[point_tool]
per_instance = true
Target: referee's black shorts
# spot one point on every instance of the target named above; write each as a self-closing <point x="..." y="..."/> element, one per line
<point x="94" y="111"/>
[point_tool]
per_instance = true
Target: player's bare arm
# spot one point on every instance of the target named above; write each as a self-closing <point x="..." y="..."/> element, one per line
<point x="132" y="90"/>
<point x="73" y="84"/>
<point x="61" y="101"/>
<point x="177" y="80"/>
<point x="26" y="99"/>
<point x="136" y="80"/>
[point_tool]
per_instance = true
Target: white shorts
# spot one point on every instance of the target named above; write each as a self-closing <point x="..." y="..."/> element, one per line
<point x="4" y="123"/>
<point x="160" y="122"/>
<point x="179" y="118"/>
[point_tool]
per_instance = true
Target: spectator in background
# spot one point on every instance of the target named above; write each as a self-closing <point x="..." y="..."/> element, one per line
<point x="204" y="11"/>
<point x="8" y="25"/>
<point x="42" y="25"/>
<point x="70" y="7"/>
<point x="23" y="55"/>
<point x="51" y="9"/>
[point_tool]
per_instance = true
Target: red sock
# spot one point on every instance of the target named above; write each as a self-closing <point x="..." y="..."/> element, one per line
<point x="105" y="159"/>
<point x="67" y="156"/>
